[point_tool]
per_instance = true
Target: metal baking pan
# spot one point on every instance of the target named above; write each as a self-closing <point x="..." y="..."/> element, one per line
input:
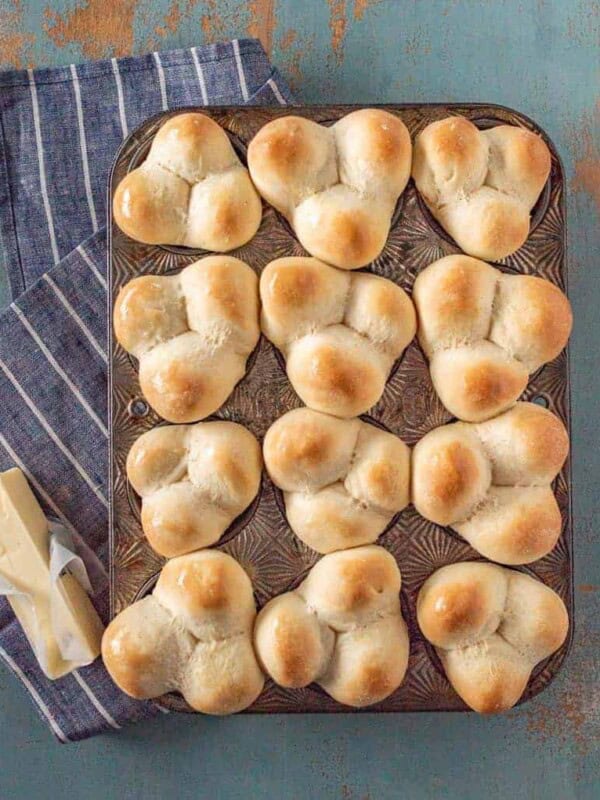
<point x="260" y="539"/>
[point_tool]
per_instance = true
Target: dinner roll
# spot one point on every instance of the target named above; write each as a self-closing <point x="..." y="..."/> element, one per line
<point x="341" y="628"/>
<point x="193" y="634"/>
<point x="481" y="184"/>
<point x="194" y="480"/>
<point x="490" y="482"/>
<point x="490" y="626"/>
<point x="339" y="332"/>
<point x="337" y="186"/>
<point x="342" y="479"/>
<point x="191" y="190"/>
<point x="484" y="332"/>
<point x="192" y="334"/>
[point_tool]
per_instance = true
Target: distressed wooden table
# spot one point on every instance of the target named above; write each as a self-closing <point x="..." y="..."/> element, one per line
<point x="539" y="57"/>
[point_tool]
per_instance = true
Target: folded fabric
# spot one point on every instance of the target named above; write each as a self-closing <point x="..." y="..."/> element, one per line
<point x="60" y="129"/>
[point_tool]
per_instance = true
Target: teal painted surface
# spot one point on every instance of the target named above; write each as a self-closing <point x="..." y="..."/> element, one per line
<point x="539" y="57"/>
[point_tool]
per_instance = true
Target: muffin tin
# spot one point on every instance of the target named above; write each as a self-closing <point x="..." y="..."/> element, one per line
<point x="260" y="539"/>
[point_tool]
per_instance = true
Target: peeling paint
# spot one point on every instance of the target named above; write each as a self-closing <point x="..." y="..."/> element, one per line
<point x="262" y="22"/>
<point x="571" y="720"/>
<point x="587" y="160"/>
<point x="214" y="22"/>
<point x="361" y="6"/>
<point x="337" y="26"/>
<point x="294" y="49"/>
<point x="15" y="43"/>
<point x="172" y="20"/>
<point x="100" y="27"/>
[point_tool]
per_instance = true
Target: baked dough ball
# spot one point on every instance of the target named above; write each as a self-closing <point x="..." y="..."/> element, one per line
<point x="192" y="190"/>
<point x="481" y="184"/>
<point x="337" y="186"/>
<point x="340" y="332"/>
<point x="491" y="482"/>
<point x="490" y="626"/>
<point x="194" y="480"/>
<point x="342" y="479"/>
<point x="341" y="628"/>
<point x="484" y="332"/>
<point x="193" y="634"/>
<point x="192" y="334"/>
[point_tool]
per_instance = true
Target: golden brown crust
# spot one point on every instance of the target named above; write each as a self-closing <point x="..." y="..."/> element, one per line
<point x="453" y="610"/>
<point x="354" y="645"/>
<point x="489" y="385"/>
<point x="357" y="580"/>
<point x="203" y="584"/>
<point x="191" y="190"/>
<point x="546" y="315"/>
<point x="490" y="626"/>
<point x="192" y="131"/>
<point x="481" y="184"/>
<point x="291" y="283"/>
<point x="453" y="140"/>
<point x="283" y="146"/>
<point x="337" y="185"/>
<point x="177" y="390"/>
<point x="541" y="437"/>
<point x="344" y="237"/>
<point x="447" y="479"/>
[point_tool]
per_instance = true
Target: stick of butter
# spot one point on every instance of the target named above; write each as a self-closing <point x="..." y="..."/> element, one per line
<point x="57" y="617"/>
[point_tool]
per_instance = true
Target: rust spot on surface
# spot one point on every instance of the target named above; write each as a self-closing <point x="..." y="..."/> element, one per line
<point x="214" y="22"/>
<point x="172" y="20"/>
<point x="337" y="26"/>
<point x="587" y="165"/>
<point x="570" y="717"/>
<point x="360" y="6"/>
<point x="588" y="587"/>
<point x="100" y="27"/>
<point x="15" y="44"/>
<point x="294" y="50"/>
<point x="288" y="39"/>
<point x="262" y="22"/>
<point x="177" y="13"/>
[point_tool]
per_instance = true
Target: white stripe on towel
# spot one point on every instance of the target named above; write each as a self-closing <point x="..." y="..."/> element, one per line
<point x="200" y="74"/>
<point x="122" y="117"/>
<point x="72" y="313"/>
<point x="52" y="433"/>
<point x="275" y="89"/>
<point x="161" y="81"/>
<point x="91" y="265"/>
<point x="59" y="370"/>
<point x="95" y="702"/>
<point x="42" y="168"/>
<point x="34" y="693"/>
<point x="240" y="70"/>
<point x="83" y="145"/>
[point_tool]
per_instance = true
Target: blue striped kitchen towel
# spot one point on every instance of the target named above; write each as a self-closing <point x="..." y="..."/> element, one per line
<point x="60" y="129"/>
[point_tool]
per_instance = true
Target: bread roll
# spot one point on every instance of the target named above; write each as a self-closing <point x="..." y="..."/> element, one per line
<point x="192" y="334"/>
<point x="193" y="635"/>
<point x="340" y="333"/>
<point x="491" y="482"/>
<point x="341" y="628"/>
<point x="337" y="186"/>
<point x="484" y="332"/>
<point x="490" y="627"/>
<point x="342" y="480"/>
<point x="481" y="185"/>
<point x="194" y="480"/>
<point x="191" y="190"/>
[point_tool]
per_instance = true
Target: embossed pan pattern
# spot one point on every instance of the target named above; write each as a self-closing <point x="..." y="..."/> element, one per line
<point x="260" y="539"/>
